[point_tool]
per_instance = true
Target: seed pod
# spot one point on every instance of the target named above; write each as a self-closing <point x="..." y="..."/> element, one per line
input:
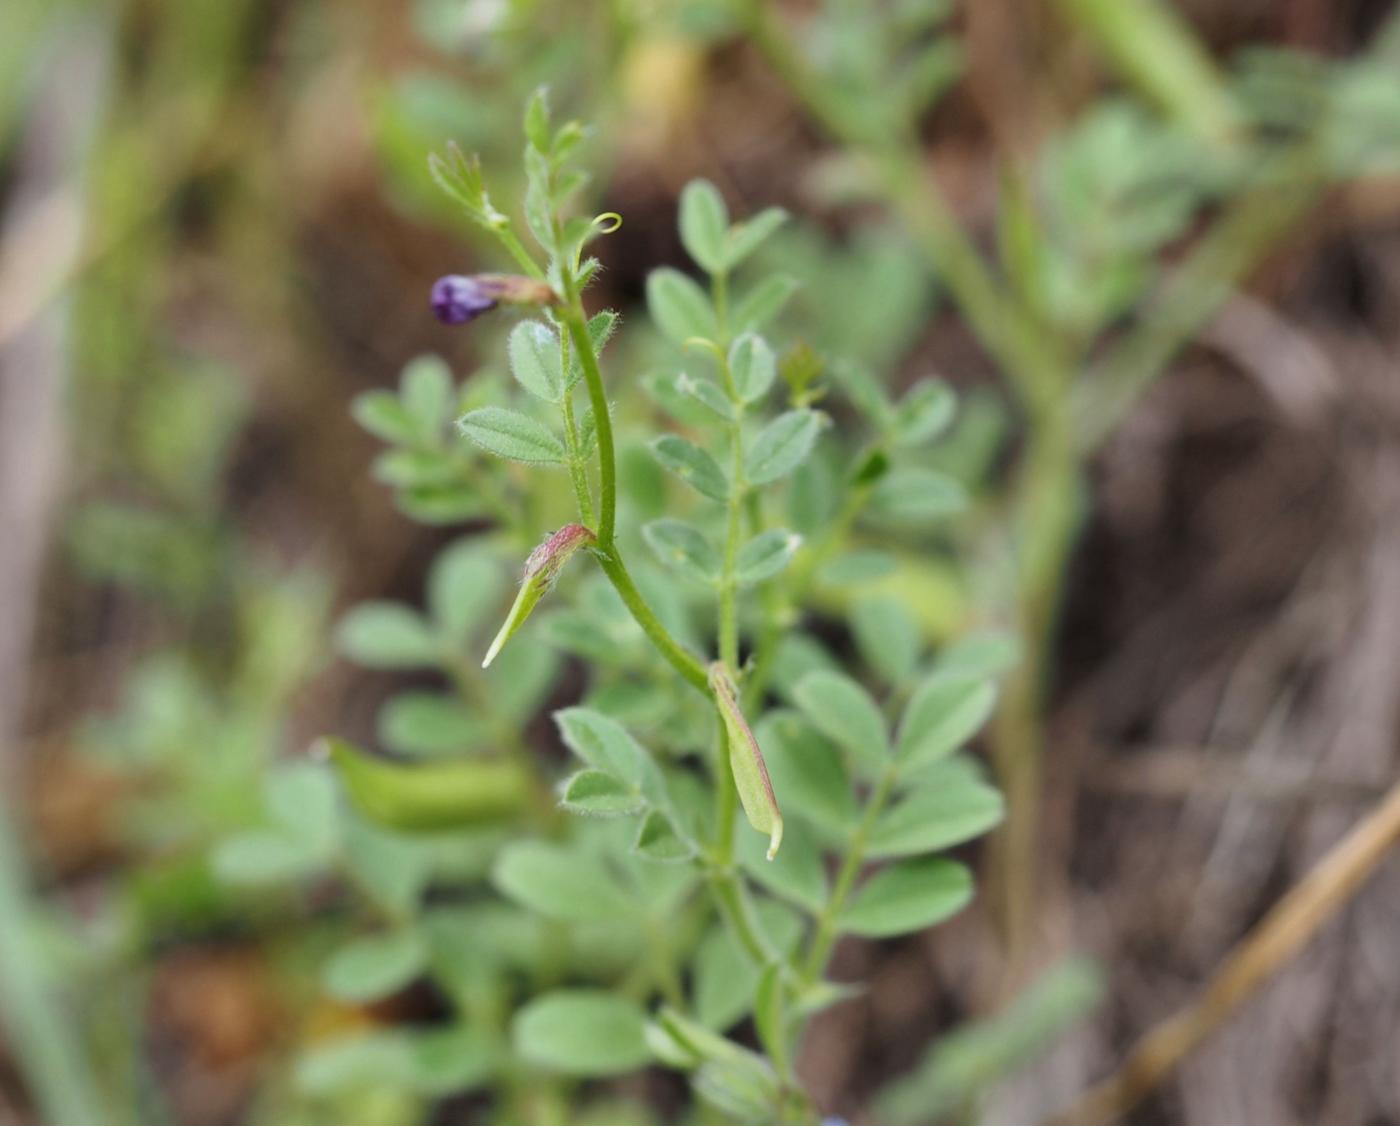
<point x="428" y="797"/>
<point x="746" y="762"/>
<point x="541" y="569"/>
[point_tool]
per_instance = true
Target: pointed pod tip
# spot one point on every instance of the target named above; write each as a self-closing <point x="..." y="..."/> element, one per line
<point x="497" y="644"/>
<point x="775" y="839"/>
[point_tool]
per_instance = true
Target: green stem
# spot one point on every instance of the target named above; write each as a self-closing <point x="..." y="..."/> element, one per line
<point x="517" y="250"/>
<point x="824" y="936"/>
<point x="726" y="803"/>
<point x="683" y="661"/>
<point x="781" y="604"/>
<point x="719" y="292"/>
<point x="737" y="911"/>
<point x="1157" y="51"/>
<point x="680" y="658"/>
<point x="662" y="964"/>
<point x="1031" y="361"/>
<point x="771" y="618"/>
<point x="728" y="587"/>
<point x="725" y="885"/>
<point x="577" y="324"/>
<point x="1048" y="507"/>
<point x="726" y="792"/>
<point x="576" y="471"/>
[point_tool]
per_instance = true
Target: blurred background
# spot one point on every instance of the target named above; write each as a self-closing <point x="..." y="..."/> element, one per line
<point x="217" y="228"/>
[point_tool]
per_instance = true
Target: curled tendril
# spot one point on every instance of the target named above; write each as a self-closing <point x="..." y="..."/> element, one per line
<point x="607" y="222"/>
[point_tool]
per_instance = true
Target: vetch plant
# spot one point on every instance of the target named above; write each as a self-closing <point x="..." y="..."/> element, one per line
<point x="648" y="921"/>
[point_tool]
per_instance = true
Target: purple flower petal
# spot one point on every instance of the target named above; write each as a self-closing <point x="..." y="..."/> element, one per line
<point x="457" y="299"/>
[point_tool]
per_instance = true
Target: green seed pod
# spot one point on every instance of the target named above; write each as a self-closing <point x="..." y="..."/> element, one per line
<point x="431" y="796"/>
<point x="746" y="762"/>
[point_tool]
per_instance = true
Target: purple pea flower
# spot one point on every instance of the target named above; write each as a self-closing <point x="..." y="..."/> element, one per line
<point x="457" y="299"/>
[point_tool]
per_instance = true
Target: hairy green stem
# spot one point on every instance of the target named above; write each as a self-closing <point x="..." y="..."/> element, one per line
<point x="726" y="790"/>
<point x="728" y="889"/>
<point x="719" y="290"/>
<point x="729" y="590"/>
<point x="577" y="324"/>
<point x="576" y="471"/>
<point x="680" y="658"/>
<point x="683" y="661"/>
<point x="728" y="587"/>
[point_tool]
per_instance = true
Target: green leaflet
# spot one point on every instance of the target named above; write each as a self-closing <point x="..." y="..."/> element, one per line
<point x="765" y="555"/>
<point x="692" y="465"/>
<point x="704" y="222"/>
<point x="374" y="966"/>
<point x="843" y="711"/>
<point x="753" y="366"/>
<point x="683" y="547"/>
<point x="583" y="1032"/>
<point x="512" y="435"/>
<point x="592" y="793"/>
<point x="386" y="635"/>
<point x="679" y="306"/>
<point x="781" y="446"/>
<point x="908" y="896"/>
<point x="561" y="882"/>
<point x="536" y="361"/>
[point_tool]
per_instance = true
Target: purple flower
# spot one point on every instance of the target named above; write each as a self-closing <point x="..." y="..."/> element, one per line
<point x="457" y="299"/>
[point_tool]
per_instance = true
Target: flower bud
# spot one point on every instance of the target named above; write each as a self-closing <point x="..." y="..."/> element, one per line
<point x="541" y="569"/>
<point x="514" y="289"/>
<point x="457" y="298"/>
